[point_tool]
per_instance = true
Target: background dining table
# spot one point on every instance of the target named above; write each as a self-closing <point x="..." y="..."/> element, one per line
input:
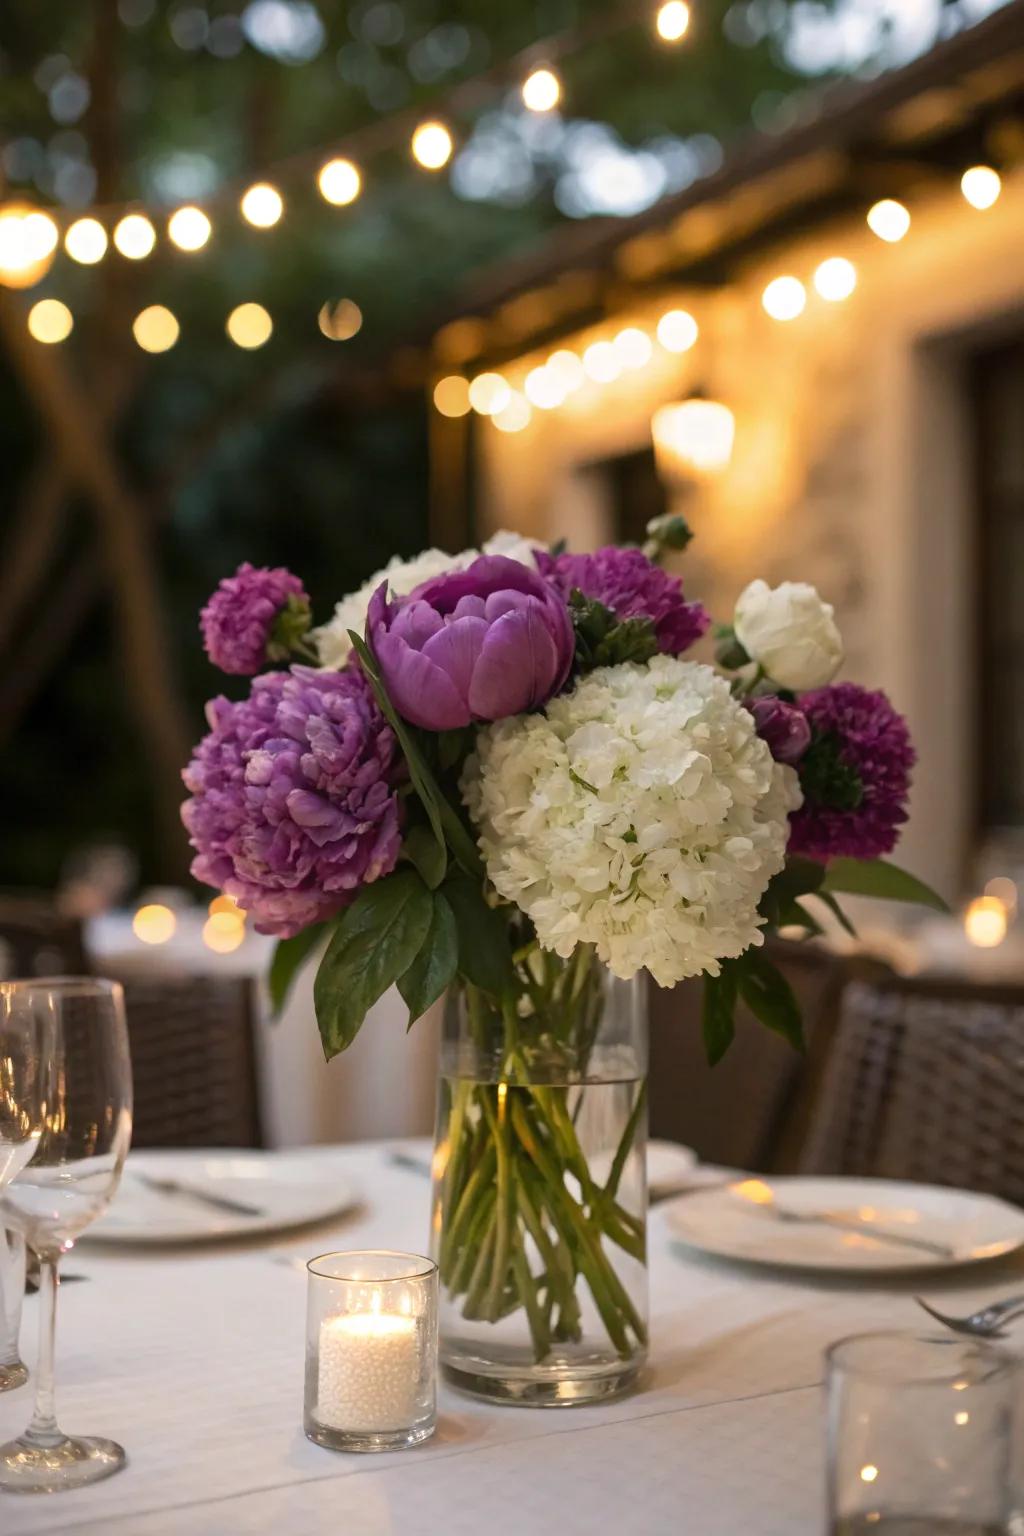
<point x="193" y="1358"/>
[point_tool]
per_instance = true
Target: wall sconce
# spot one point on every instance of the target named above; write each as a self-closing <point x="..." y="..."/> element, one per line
<point x="693" y="438"/>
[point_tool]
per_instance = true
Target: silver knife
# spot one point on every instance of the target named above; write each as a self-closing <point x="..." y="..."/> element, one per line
<point x="851" y="1224"/>
<point x="218" y="1202"/>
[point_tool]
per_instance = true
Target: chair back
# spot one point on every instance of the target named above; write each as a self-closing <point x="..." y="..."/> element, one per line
<point x="925" y="1081"/>
<point x="37" y="940"/>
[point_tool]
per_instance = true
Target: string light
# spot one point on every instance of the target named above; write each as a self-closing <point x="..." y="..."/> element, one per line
<point x="489" y="393"/>
<point x="224" y="931"/>
<point x="155" y="329"/>
<point x="835" y="279"/>
<point x="889" y="220"/>
<point x="600" y="362"/>
<point x="451" y="395"/>
<point x="86" y="241"/>
<point x="339" y="182"/>
<point x="262" y="205"/>
<point x="432" y="145"/>
<point x="249" y="326"/>
<point x="28" y="239"/>
<point x="981" y="186"/>
<point x="134" y="236"/>
<point x="340" y="321"/>
<point x="784" y="298"/>
<point x="189" y="229"/>
<point x="693" y="437"/>
<point x="543" y="388"/>
<point x="566" y="367"/>
<point x="516" y="414"/>
<point x="672" y="21"/>
<point x="50" y="321"/>
<point x="542" y="90"/>
<point x="632" y="347"/>
<point x="154" y="923"/>
<point x="677" y="330"/>
<point x="985" y="922"/>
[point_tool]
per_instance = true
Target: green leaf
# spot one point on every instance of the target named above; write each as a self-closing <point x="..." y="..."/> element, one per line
<point x="796" y="915"/>
<point x="434" y="967"/>
<point x="485" y="953"/>
<point x="453" y="746"/>
<point x="289" y="957"/>
<point x="770" y="997"/>
<point x="876" y="877"/>
<point x="430" y="857"/>
<point x="603" y="639"/>
<point x="374" y="943"/>
<point x="798" y="877"/>
<point x="717" y="1008"/>
<point x="837" y="912"/>
<point x="443" y="817"/>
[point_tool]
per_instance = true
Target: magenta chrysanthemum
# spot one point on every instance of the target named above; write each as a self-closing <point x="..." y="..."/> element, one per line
<point x="238" y="621"/>
<point x="855" y="775"/>
<point x="293" y="807"/>
<point x="632" y="586"/>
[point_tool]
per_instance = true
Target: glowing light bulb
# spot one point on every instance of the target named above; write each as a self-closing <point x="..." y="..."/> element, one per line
<point x="223" y="932"/>
<point x="835" y="279"/>
<point x="339" y="182"/>
<point x="489" y="393"/>
<point x="693" y="437"/>
<point x="50" y="321"/>
<point x="600" y="362"/>
<point x="515" y="415"/>
<point x="784" y="298"/>
<point x="134" y="236"/>
<point x="677" y="330"/>
<point x="86" y="241"/>
<point x="189" y="229"/>
<point x="1003" y="889"/>
<point x="28" y="239"/>
<point x="154" y="923"/>
<point x="432" y="145"/>
<point x="542" y="90"/>
<point x="451" y="395"/>
<point x="262" y="205"/>
<point x="672" y="21"/>
<point x="632" y="347"/>
<point x="249" y="326"/>
<point x="155" y="329"/>
<point x="889" y="220"/>
<point x="566" y="367"/>
<point x="225" y="904"/>
<point x="340" y="321"/>
<point x="543" y="388"/>
<point x="985" y="922"/>
<point x="981" y="186"/>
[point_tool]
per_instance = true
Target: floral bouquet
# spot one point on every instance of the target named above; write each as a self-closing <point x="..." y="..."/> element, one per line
<point x="499" y="774"/>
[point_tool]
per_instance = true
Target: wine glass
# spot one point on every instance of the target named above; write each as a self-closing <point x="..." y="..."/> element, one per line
<point x="69" y="1182"/>
<point x="24" y="1063"/>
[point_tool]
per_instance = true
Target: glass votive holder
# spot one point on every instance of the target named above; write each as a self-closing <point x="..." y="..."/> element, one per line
<point x="922" y="1434"/>
<point x="371" y="1350"/>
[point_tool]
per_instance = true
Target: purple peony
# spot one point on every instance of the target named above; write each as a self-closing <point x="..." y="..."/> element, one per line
<point x="632" y="586"/>
<point x="479" y="644"/>
<point x="783" y="726"/>
<point x="293" y="807"/>
<point x="238" y="621"/>
<point x="855" y="775"/>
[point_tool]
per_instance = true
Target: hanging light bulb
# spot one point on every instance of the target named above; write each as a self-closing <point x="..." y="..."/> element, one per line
<point x="155" y="329"/>
<point x="86" y="241"/>
<point x="451" y="395"/>
<point x="50" y="321"/>
<point x="677" y="330"/>
<point x="543" y="388"/>
<point x="672" y="21"/>
<point x="889" y="220"/>
<point x="432" y="145"/>
<point x="340" y="320"/>
<point x="784" y="298"/>
<point x="189" y="229"/>
<point x="835" y="279"/>
<point x="515" y="415"/>
<point x="566" y="367"/>
<point x="339" y="182"/>
<point x="134" y="236"/>
<point x="262" y="205"/>
<point x="249" y="326"/>
<point x="600" y="362"/>
<point x="542" y="90"/>
<point x="693" y="437"/>
<point x="632" y="347"/>
<point x="489" y="393"/>
<point x="981" y="186"/>
<point x="28" y="239"/>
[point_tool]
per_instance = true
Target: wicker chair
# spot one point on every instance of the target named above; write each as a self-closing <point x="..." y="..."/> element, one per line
<point x="193" y="1061"/>
<point x="37" y="940"/>
<point x="925" y="1081"/>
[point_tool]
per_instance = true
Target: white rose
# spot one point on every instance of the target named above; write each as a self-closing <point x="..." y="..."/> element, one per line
<point x="789" y="632"/>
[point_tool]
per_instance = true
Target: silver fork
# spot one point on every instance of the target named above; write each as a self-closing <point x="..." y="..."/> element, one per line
<point x="986" y="1323"/>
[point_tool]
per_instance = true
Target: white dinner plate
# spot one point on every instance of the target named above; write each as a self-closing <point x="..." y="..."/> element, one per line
<point x="289" y="1189"/>
<point x="736" y="1221"/>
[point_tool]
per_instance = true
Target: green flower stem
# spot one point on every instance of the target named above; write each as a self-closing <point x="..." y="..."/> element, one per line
<point x="622" y="1151"/>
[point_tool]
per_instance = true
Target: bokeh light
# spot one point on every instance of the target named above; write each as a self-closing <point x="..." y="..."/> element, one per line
<point x="432" y="145"/>
<point x="542" y="90"/>
<point x="134" y="236"/>
<point x="154" y="923"/>
<point x="50" y="321"/>
<point x="889" y="220"/>
<point x="489" y="393"/>
<point x="155" y="329"/>
<point x="835" y="279"/>
<point x="567" y="368"/>
<point x="632" y="347"/>
<point x="262" y="205"/>
<point x="249" y="326"/>
<point x="600" y="362"/>
<point x="451" y="395"/>
<point x="677" y="330"/>
<point x="28" y="239"/>
<point x="543" y="388"/>
<point x="985" y="922"/>
<point x="189" y="229"/>
<point x="86" y="241"/>
<point x="339" y="182"/>
<point x="981" y="186"/>
<point x="340" y="320"/>
<point x="672" y="21"/>
<point x="516" y="414"/>
<point x="784" y="298"/>
<point x="693" y="437"/>
<point x="224" y="931"/>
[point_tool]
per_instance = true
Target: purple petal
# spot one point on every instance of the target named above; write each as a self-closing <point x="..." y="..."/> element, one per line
<point x="517" y="665"/>
<point x="455" y="650"/>
<point x="415" y="622"/>
<point x="419" y="690"/>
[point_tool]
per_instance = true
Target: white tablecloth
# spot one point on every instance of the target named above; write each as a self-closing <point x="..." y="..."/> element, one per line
<point x="194" y="1361"/>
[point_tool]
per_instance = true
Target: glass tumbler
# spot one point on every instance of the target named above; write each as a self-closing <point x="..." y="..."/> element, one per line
<point x="921" y="1435"/>
<point x="371" y="1350"/>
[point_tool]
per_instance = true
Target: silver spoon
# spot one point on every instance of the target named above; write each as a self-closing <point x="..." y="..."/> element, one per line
<point x="986" y="1323"/>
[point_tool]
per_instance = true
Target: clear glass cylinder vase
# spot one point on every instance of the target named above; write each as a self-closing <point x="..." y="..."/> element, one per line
<point x="540" y="1187"/>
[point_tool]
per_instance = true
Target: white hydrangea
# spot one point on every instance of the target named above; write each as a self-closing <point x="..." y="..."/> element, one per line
<point x="640" y="813"/>
<point x="403" y="576"/>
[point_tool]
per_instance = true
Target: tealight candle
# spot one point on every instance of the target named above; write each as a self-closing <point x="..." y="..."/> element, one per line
<point x="371" y="1350"/>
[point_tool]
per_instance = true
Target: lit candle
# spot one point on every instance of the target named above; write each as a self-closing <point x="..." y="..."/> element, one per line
<point x="369" y="1371"/>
